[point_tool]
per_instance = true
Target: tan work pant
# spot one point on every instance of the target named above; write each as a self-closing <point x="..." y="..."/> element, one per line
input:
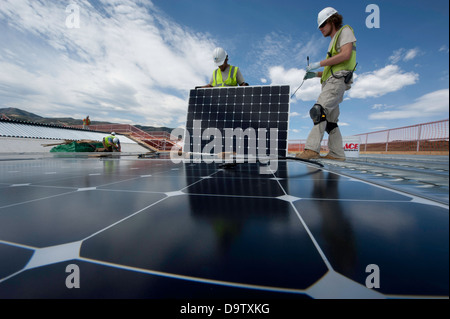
<point x="331" y="96"/>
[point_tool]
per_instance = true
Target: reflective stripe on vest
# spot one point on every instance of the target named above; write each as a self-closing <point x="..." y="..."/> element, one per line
<point x="230" y="81"/>
<point x="348" y="65"/>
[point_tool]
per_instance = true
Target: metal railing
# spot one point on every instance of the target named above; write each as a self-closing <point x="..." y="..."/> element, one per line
<point x="160" y="140"/>
<point x="426" y="137"/>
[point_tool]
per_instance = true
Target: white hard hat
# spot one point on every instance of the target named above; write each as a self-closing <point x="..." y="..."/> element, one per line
<point x="219" y="56"/>
<point x="324" y="15"/>
<point x="113" y="133"/>
<point x="115" y="140"/>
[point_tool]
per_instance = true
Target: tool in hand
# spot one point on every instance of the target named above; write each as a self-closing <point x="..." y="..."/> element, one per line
<point x="307" y="60"/>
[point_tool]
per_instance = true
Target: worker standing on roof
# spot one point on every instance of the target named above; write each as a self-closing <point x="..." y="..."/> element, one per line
<point x="225" y="74"/>
<point x="86" y="122"/>
<point x="336" y="78"/>
<point x="111" y="143"/>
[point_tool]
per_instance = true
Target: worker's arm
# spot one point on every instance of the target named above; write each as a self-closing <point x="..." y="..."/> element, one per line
<point x="344" y="55"/>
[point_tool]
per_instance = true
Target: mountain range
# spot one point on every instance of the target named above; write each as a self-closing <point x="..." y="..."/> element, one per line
<point x="25" y="116"/>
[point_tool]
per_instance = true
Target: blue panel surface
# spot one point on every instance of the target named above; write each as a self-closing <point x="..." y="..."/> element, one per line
<point x="140" y="228"/>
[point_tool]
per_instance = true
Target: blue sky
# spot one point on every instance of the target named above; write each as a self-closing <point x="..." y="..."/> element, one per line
<point x="134" y="62"/>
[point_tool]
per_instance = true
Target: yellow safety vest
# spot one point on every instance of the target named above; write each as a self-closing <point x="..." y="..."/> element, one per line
<point x="107" y="140"/>
<point x="231" y="81"/>
<point x="348" y="65"/>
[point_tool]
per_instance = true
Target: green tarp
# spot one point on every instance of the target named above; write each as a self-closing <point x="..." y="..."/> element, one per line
<point x="77" y="147"/>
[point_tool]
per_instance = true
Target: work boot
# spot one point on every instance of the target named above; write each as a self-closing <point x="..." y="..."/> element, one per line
<point x="331" y="157"/>
<point x="307" y="155"/>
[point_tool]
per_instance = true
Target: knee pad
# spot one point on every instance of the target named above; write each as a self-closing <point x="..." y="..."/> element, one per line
<point x="317" y="114"/>
<point x="330" y="126"/>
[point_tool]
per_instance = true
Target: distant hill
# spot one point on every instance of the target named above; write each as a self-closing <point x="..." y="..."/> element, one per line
<point x="21" y="115"/>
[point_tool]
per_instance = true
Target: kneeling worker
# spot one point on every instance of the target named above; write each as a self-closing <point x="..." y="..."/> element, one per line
<point x="111" y="143"/>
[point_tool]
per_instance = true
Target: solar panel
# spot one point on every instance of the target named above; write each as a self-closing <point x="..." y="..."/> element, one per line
<point x="249" y="121"/>
<point x="194" y="231"/>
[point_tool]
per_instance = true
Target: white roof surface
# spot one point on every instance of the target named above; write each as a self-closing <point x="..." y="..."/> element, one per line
<point x="22" y="137"/>
<point x="29" y="130"/>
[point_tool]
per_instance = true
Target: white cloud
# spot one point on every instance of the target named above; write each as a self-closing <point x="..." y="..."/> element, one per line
<point x="378" y="128"/>
<point x="310" y="89"/>
<point x="126" y="61"/>
<point x="380" y="82"/>
<point x="379" y="106"/>
<point x="429" y="105"/>
<point x="282" y="49"/>
<point x="411" y="54"/>
<point x="444" y="48"/>
<point x="396" y="56"/>
<point x="404" y="55"/>
<point x="278" y="49"/>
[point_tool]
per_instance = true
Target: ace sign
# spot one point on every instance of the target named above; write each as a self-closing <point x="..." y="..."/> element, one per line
<point x="351" y="146"/>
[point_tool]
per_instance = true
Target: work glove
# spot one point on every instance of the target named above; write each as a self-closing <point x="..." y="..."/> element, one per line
<point x="310" y="75"/>
<point x="313" y="66"/>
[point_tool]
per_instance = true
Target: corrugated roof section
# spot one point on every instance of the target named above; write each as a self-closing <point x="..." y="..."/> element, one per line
<point x="35" y="130"/>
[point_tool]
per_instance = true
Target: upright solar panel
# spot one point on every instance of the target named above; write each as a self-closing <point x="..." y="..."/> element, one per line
<point x="230" y="119"/>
